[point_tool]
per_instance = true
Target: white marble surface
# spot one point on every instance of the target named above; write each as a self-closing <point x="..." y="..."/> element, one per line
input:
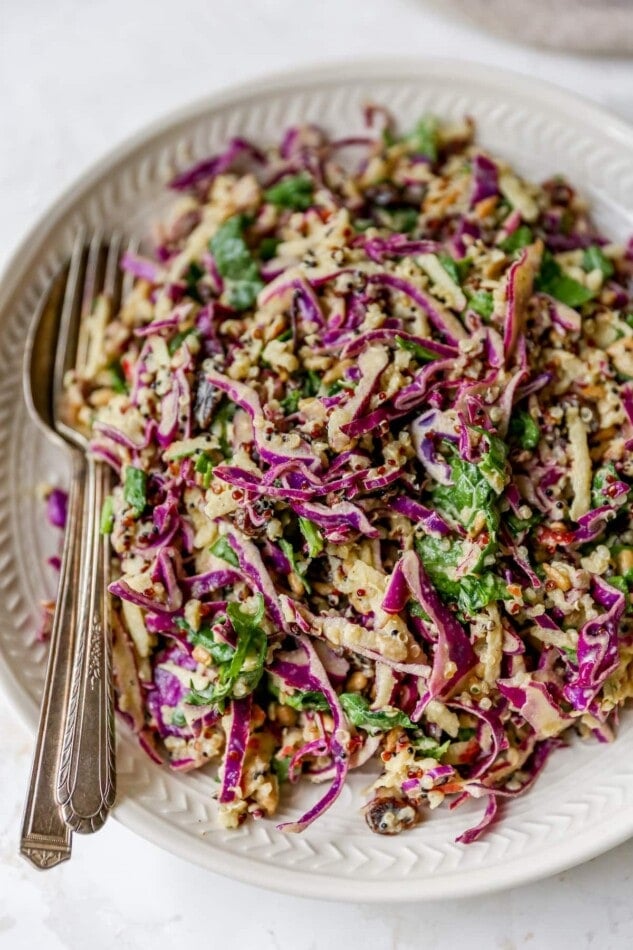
<point x="75" y="78"/>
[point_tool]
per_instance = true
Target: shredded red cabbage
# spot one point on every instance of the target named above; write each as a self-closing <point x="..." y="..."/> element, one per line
<point x="368" y="416"/>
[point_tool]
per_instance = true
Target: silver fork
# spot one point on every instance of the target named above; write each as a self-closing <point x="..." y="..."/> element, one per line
<point x="74" y="759"/>
<point x="86" y="783"/>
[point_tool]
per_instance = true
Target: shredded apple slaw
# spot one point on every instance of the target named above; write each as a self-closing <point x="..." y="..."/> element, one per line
<point x="368" y="406"/>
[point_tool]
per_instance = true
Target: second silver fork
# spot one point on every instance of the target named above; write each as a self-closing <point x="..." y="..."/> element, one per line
<point x="86" y="781"/>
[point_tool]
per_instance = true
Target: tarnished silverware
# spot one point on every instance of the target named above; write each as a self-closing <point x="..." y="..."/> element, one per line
<point x="86" y="781"/>
<point x="73" y="777"/>
<point x="46" y="838"/>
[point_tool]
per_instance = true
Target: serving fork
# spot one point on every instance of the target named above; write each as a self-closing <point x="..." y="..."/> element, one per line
<point x="72" y="783"/>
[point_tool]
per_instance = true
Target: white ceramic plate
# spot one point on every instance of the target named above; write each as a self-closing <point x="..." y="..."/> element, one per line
<point x="583" y="803"/>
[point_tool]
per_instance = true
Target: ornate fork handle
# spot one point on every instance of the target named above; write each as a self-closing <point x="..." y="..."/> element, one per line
<point x="86" y="787"/>
<point x="45" y="837"/>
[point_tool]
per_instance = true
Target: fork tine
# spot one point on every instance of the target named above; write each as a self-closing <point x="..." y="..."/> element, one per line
<point x="93" y="280"/>
<point x="94" y="272"/>
<point x="128" y="278"/>
<point x="69" y="315"/>
<point x="112" y="281"/>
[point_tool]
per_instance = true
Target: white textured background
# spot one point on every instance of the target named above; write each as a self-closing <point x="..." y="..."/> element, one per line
<point x="76" y="78"/>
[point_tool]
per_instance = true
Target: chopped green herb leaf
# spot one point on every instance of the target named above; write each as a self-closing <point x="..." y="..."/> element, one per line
<point x="424" y="139"/>
<point x="339" y="385"/>
<point x="456" y="269"/>
<point x="117" y="378"/>
<point x="417" y="611"/>
<point x="524" y="429"/>
<point x="603" y="477"/>
<point x="519" y="525"/>
<point x="358" y="712"/>
<point x="312" y="535"/>
<point x="235" y="263"/>
<point x="476" y="592"/>
<point x="289" y="551"/>
<point x="222" y="418"/>
<point x="553" y="281"/>
<point x="420" y="352"/>
<point x="627" y="574"/>
<point x="619" y="582"/>
<point x="176" y="341"/>
<point x="242" y="671"/>
<point x="493" y="462"/>
<point x="290" y="402"/>
<point x="193" y="274"/>
<point x="203" y="637"/>
<point x="517" y="240"/>
<point x="106" y="522"/>
<point x="223" y="549"/>
<point x="250" y="637"/>
<point x="135" y="489"/>
<point x="309" y="387"/>
<point x="204" y="467"/>
<point x="231" y="253"/>
<point x="594" y="259"/>
<point x="471" y="493"/>
<point x="440" y="557"/>
<point x="281" y="766"/>
<point x="400" y="220"/>
<point x="245" y="623"/>
<point x="312" y="383"/>
<point x="472" y="592"/>
<point x="243" y="293"/>
<point x="363" y="224"/>
<point x="294" y="192"/>
<point x="481" y="302"/>
<point x="429" y="748"/>
<point x="466" y="733"/>
<point x="220" y="652"/>
<point x="469" y="498"/>
<point x="624" y="583"/>
<point x="304" y="700"/>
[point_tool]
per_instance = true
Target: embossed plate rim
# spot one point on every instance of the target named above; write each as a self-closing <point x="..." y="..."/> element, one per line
<point x="156" y="827"/>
